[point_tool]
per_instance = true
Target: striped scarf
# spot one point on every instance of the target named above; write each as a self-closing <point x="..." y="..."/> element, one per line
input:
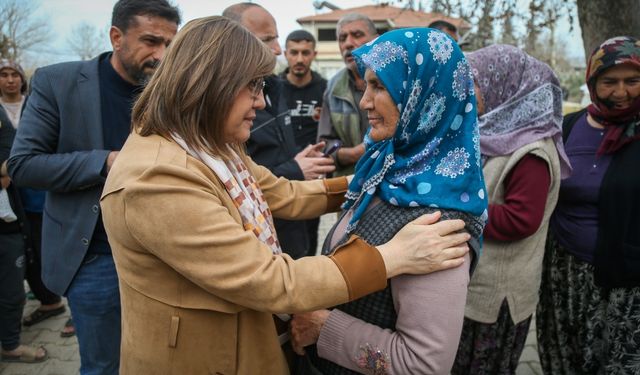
<point x="244" y="191"/>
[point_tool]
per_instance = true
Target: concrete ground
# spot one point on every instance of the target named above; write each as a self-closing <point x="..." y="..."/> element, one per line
<point x="65" y="360"/>
<point x="63" y="352"/>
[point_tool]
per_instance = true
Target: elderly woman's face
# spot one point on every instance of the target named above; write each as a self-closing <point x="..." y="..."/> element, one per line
<point x="382" y="112"/>
<point x="237" y="128"/>
<point x="619" y="85"/>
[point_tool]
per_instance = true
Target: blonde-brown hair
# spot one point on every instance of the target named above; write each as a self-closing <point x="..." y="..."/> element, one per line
<point x="210" y="60"/>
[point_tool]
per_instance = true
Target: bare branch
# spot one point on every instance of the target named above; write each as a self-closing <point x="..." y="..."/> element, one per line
<point x="20" y="31"/>
<point x="86" y="41"/>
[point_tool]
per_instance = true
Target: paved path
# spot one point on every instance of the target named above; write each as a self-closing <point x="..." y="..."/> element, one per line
<point x="64" y="358"/>
<point x="63" y="352"/>
<point x="529" y="360"/>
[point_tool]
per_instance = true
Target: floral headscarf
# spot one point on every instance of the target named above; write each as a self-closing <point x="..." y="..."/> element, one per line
<point x="522" y="100"/>
<point x="622" y="125"/>
<point x="433" y="159"/>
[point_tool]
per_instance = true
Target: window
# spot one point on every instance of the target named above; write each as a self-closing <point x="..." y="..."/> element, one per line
<point x="327" y="35"/>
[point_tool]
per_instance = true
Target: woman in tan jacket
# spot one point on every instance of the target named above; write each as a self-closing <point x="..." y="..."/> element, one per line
<point x="189" y="219"/>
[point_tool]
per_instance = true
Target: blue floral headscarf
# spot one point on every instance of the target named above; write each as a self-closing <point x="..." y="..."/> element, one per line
<point x="433" y="159"/>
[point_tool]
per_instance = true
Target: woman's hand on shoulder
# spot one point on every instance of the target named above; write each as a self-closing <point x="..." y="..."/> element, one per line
<point x="425" y="245"/>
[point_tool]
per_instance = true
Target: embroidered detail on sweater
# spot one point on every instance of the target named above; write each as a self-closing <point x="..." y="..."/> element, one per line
<point x="373" y="359"/>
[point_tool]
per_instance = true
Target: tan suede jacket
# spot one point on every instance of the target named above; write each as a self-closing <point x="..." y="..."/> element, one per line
<point x="197" y="290"/>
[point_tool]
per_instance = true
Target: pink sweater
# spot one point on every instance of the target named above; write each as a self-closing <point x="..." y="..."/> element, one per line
<point x="430" y="311"/>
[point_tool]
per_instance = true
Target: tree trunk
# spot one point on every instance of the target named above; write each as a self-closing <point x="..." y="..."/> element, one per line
<point x="604" y="19"/>
<point x="484" y="35"/>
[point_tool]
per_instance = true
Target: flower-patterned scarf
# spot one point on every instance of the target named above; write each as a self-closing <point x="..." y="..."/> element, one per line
<point x="522" y="99"/>
<point x="244" y="191"/>
<point x="433" y="159"/>
<point x="622" y="125"/>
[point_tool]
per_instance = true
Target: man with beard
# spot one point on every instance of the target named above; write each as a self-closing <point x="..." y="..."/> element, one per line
<point x="272" y="142"/>
<point x="341" y="117"/>
<point x="76" y="120"/>
<point x="302" y="90"/>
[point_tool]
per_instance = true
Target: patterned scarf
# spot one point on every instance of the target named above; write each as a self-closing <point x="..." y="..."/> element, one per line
<point x="523" y="101"/>
<point x="244" y="191"/>
<point x="433" y="159"/>
<point x="622" y="125"/>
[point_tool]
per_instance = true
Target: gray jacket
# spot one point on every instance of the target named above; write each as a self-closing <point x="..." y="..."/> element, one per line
<point x="340" y="116"/>
<point x="59" y="148"/>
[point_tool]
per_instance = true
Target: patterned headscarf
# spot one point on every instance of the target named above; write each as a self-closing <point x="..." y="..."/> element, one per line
<point x="622" y="125"/>
<point x="433" y="159"/>
<point x="522" y="101"/>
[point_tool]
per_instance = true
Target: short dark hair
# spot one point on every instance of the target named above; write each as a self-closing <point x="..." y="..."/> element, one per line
<point x="442" y="24"/>
<point x="125" y="10"/>
<point x="299" y="36"/>
<point x="193" y="89"/>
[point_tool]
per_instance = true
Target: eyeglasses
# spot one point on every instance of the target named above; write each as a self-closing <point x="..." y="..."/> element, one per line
<point x="256" y="86"/>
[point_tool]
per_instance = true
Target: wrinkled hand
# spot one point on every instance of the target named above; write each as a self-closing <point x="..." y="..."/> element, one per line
<point x="305" y="329"/>
<point x="312" y="162"/>
<point x="110" y="159"/>
<point x="425" y="245"/>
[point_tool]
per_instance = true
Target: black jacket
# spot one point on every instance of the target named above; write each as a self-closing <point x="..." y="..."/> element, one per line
<point x="617" y="257"/>
<point x="272" y="145"/>
<point x="7" y="134"/>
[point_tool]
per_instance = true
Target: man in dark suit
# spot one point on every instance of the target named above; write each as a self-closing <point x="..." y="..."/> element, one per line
<point x="272" y="142"/>
<point x="77" y="118"/>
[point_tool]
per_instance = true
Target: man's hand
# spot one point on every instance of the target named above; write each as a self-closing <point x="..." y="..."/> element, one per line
<point x="350" y="155"/>
<point x="5" y="182"/>
<point x="305" y="329"/>
<point x="313" y="163"/>
<point x="110" y="159"/>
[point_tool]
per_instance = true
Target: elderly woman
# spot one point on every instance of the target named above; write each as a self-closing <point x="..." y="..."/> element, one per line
<point x="520" y="112"/>
<point x="422" y="152"/>
<point x="189" y="219"/>
<point x="588" y="318"/>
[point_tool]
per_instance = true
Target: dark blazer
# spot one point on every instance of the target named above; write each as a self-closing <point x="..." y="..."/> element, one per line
<point x="59" y="148"/>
